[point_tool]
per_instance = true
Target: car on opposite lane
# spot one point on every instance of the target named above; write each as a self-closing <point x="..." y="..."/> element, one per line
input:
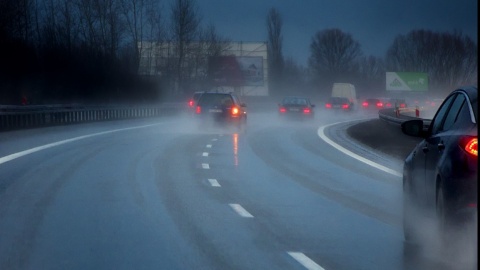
<point x="296" y="107"/>
<point x="440" y="175"/>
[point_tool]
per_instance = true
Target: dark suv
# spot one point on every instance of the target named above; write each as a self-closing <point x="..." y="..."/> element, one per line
<point x="221" y="109"/>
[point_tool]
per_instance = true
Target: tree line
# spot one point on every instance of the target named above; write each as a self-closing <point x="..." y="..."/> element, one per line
<point x="90" y="51"/>
<point x="449" y="59"/>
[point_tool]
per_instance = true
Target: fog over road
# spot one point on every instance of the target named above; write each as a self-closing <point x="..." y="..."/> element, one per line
<point x="167" y="194"/>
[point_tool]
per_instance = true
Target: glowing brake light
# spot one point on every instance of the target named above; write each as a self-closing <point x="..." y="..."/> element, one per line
<point x="365" y="104"/>
<point x="470" y="145"/>
<point x="198" y="110"/>
<point x="388" y="104"/>
<point x="345" y="106"/>
<point x="283" y="110"/>
<point x="190" y="103"/>
<point x="235" y="111"/>
<point x="402" y="105"/>
<point x="379" y="104"/>
<point x="328" y="106"/>
<point x="307" y="110"/>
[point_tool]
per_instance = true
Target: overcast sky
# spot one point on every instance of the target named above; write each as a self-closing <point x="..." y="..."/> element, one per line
<point x="373" y="23"/>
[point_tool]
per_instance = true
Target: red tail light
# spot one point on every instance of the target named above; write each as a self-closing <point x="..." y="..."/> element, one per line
<point x="470" y="145"/>
<point x="402" y="105"/>
<point x="306" y="110"/>
<point x="283" y="110"/>
<point x="328" y="106"/>
<point x="235" y="111"/>
<point x="345" y="106"/>
<point x="198" y="110"/>
<point x="379" y="104"/>
<point x="365" y="104"/>
<point x="388" y="105"/>
<point x="190" y="103"/>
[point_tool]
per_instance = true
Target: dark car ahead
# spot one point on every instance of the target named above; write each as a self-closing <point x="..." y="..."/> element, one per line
<point x="192" y="102"/>
<point x="339" y="103"/>
<point x="296" y="108"/>
<point x="440" y="175"/>
<point x="395" y="103"/>
<point x="224" y="109"/>
<point x="372" y="104"/>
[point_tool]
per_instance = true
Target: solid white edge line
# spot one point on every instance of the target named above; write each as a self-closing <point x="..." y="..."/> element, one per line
<point x="50" y="145"/>
<point x="214" y="182"/>
<point x="209" y="146"/>
<point x="305" y="261"/>
<point x="205" y="154"/>
<point x="205" y="166"/>
<point x="322" y="135"/>
<point x="240" y="210"/>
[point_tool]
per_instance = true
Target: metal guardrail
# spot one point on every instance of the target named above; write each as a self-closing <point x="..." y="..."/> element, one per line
<point x="20" y="117"/>
<point x="394" y="117"/>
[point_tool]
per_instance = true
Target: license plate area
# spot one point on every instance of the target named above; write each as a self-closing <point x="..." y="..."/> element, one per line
<point x="214" y="110"/>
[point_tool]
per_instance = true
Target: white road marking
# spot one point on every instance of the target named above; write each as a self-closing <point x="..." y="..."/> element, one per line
<point x="322" y="135"/>
<point x="205" y="166"/>
<point x="214" y="139"/>
<point x="240" y="210"/>
<point x="209" y="146"/>
<point x="214" y="182"/>
<point x="205" y="154"/>
<point x="305" y="261"/>
<point x="50" y="145"/>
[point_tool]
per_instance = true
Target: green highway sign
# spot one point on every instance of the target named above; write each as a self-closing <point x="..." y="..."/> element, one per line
<point x="407" y="81"/>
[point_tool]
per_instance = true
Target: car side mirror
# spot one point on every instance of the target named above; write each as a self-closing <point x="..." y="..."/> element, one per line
<point x="413" y="128"/>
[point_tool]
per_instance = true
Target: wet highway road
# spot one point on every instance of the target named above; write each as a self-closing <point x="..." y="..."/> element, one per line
<point x="166" y="194"/>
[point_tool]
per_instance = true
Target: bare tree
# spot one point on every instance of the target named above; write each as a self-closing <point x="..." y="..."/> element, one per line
<point x="185" y="21"/>
<point x="275" y="56"/>
<point x="334" y="54"/>
<point x="143" y="22"/>
<point x="449" y="59"/>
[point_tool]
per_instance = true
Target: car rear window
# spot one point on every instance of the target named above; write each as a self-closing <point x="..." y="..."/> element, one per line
<point x="338" y="100"/>
<point x="215" y="99"/>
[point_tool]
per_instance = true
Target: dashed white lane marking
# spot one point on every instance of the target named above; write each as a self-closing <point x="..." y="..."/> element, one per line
<point x="214" y="182"/>
<point x="205" y="166"/>
<point x="50" y="145"/>
<point x="305" y="261"/>
<point x="205" y="154"/>
<point x="240" y="210"/>
<point x="209" y="146"/>
<point x="321" y="134"/>
<point x="214" y="139"/>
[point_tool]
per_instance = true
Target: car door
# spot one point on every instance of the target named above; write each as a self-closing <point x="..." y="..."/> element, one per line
<point x="422" y="150"/>
<point x="437" y="147"/>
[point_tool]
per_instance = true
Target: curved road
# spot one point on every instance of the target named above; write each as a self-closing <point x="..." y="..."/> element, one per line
<point x="166" y="194"/>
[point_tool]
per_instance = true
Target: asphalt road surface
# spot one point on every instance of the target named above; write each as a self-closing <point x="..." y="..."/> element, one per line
<point x="167" y="194"/>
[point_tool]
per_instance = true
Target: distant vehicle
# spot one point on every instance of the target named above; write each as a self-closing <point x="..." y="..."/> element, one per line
<point x="372" y="104"/>
<point x="296" y="107"/>
<point x="394" y="103"/>
<point x="339" y="103"/>
<point x="440" y="175"/>
<point x="192" y="102"/>
<point x="346" y="90"/>
<point x="222" y="109"/>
